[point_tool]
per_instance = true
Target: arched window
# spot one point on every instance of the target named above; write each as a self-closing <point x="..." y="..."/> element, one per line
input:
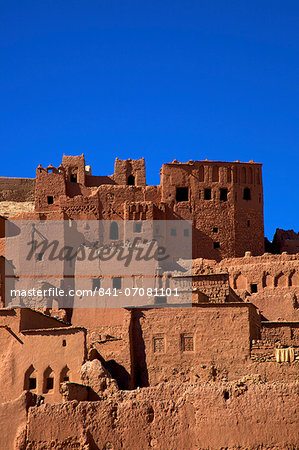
<point x="131" y="180"/>
<point x="30" y="379"/>
<point x="48" y="381"/>
<point x="246" y="194"/>
<point x="113" y="231"/>
<point x="65" y="374"/>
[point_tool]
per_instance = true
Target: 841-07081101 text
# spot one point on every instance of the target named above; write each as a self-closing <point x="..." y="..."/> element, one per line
<point x="132" y="292"/>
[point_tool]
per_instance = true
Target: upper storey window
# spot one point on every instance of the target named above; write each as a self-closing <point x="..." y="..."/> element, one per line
<point x="73" y="178"/>
<point x="131" y="180"/>
<point x="223" y="194"/>
<point x="208" y="194"/>
<point x="182" y="194"/>
<point x="246" y="194"/>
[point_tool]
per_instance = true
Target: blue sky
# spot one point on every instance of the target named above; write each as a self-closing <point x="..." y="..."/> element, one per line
<point x="159" y="79"/>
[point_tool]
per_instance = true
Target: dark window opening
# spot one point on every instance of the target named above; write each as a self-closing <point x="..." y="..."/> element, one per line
<point x="225" y="395"/>
<point x="246" y="194"/>
<point x="248" y="223"/>
<point x="73" y="178"/>
<point x="173" y="232"/>
<point x="182" y="194"/>
<point x="223" y="194"/>
<point x="50" y="199"/>
<point x="114" y="231"/>
<point x="116" y="283"/>
<point x="138" y="227"/>
<point x="49" y="383"/>
<point x="216" y="244"/>
<point x="186" y="232"/>
<point x="215" y="230"/>
<point x="32" y="383"/>
<point x="131" y="180"/>
<point x="253" y="288"/>
<point x="63" y="343"/>
<point x="208" y="194"/>
<point x="96" y="283"/>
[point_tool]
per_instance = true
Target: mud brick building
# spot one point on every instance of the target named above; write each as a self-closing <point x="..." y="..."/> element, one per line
<point x="212" y="373"/>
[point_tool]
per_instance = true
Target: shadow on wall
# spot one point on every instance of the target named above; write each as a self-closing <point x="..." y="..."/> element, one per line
<point x="138" y="355"/>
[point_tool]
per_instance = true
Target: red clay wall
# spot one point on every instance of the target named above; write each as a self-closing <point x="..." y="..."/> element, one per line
<point x="17" y="189"/>
<point x="169" y="416"/>
<point x="161" y="338"/>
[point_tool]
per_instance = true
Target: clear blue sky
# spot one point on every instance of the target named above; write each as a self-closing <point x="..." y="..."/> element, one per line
<point x="159" y="79"/>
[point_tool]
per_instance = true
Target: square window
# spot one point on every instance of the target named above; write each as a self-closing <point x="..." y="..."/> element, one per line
<point x="215" y="230"/>
<point x="216" y="244"/>
<point x="116" y="283"/>
<point x="223" y="194"/>
<point x="186" y="232"/>
<point x="96" y="283"/>
<point x="32" y="383"/>
<point x="50" y="199"/>
<point x="208" y="194"/>
<point x="187" y="343"/>
<point x="182" y="194"/>
<point x="159" y="345"/>
<point x="49" y="383"/>
<point x="253" y="288"/>
<point x="172" y="232"/>
<point x="137" y="227"/>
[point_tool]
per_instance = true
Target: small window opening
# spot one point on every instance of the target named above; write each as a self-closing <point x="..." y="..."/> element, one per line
<point x="187" y="343"/>
<point x="253" y="288"/>
<point x="50" y="199"/>
<point x="182" y="194"/>
<point x="246" y="194"/>
<point x="116" y="283"/>
<point x="215" y="230"/>
<point x="73" y="178"/>
<point x="173" y="232"/>
<point x="137" y="227"/>
<point x="63" y="343"/>
<point x="208" y="194"/>
<point x="199" y="195"/>
<point x="32" y="383"/>
<point x="216" y="244"/>
<point x="225" y="395"/>
<point x="248" y="223"/>
<point x="186" y="232"/>
<point x="96" y="283"/>
<point x="131" y="180"/>
<point x="223" y="194"/>
<point x="49" y="383"/>
<point x="159" y="344"/>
